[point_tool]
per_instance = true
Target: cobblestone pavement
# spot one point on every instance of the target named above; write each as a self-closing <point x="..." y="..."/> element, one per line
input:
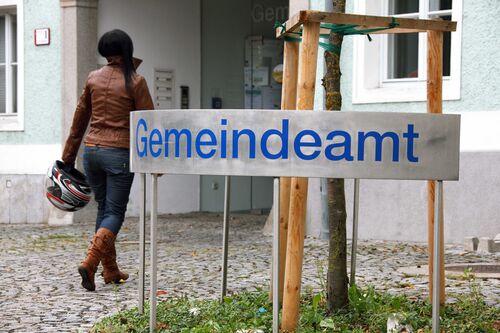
<point x="40" y="288"/>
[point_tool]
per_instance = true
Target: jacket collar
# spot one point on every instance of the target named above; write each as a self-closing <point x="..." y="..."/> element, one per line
<point x="117" y="60"/>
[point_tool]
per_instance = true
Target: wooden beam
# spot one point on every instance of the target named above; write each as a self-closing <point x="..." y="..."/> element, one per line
<point x="434" y="105"/>
<point x="298" y="196"/>
<point x="288" y="102"/>
<point x="285" y="183"/>
<point x="405" y="25"/>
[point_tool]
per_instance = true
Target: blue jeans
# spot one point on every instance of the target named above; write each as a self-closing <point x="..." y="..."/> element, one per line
<point x="107" y="171"/>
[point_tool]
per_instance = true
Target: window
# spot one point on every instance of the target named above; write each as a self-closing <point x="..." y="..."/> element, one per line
<point x="393" y="67"/>
<point x="8" y="64"/>
<point x="11" y="113"/>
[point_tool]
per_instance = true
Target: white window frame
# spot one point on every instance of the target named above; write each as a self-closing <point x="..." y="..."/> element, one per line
<point x="14" y="121"/>
<point x="370" y="62"/>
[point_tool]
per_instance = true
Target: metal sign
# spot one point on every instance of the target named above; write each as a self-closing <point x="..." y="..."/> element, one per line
<point x="369" y="145"/>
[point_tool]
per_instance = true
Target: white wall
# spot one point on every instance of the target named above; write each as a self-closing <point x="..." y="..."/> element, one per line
<point x="397" y="210"/>
<point x="166" y="34"/>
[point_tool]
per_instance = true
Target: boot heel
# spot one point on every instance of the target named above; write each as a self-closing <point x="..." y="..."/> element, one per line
<point x="87" y="282"/>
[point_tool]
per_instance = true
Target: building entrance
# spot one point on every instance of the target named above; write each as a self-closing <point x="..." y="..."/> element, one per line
<point x="240" y="70"/>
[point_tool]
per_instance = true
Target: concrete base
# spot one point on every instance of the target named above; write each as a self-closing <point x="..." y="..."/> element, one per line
<point x="58" y="217"/>
<point x="480" y="270"/>
<point x="489" y="245"/>
<point x="317" y="211"/>
<point x="471" y="243"/>
<point x="23" y="199"/>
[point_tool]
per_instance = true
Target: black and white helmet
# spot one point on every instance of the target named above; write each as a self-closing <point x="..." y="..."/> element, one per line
<point x="68" y="191"/>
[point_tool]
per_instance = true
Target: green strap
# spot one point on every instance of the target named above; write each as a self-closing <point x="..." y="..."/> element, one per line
<point x="339" y="28"/>
<point x="277" y="24"/>
<point x="292" y="39"/>
<point x="345" y="29"/>
<point x="326" y="46"/>
<point x="331" y="48"/>
<point x="349" y="29"/>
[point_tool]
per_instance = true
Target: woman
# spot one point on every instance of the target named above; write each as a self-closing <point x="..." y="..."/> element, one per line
<point x="110" y="94"/>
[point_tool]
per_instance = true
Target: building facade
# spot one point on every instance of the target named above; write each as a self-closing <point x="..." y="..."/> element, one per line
<point x="203" y="45"/>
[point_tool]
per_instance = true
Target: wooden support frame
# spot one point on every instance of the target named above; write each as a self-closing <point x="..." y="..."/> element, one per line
<point x="405" y="25"/>
<point x="308" y="22"/>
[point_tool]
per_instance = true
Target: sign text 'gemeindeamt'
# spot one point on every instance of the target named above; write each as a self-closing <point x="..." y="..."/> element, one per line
<point x="376" y="145"/>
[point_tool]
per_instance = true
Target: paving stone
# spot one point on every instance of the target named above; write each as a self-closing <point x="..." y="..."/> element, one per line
<point x="40" y="288"/>
<point x="486" y="244"/>
<point x="471" y="243"/>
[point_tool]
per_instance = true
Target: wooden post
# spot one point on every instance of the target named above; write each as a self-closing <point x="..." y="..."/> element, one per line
<point x="434" y="105"/>
<point x="288" y="102"/>
<point x="285" y="183"/>
<point x="298" y="191"/>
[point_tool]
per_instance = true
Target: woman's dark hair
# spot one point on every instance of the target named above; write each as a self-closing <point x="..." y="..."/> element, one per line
<point x="118" y="43"/>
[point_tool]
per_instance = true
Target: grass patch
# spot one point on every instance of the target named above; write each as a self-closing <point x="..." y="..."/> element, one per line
<point x="63" y="237"/>
<point x="251" y="311"/>
<point x="50" y="241"/>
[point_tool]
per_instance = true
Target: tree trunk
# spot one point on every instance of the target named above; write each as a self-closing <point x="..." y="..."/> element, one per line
<point x="337" y="280"/>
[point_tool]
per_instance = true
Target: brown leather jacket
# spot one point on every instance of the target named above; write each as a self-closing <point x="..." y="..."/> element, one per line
<point x="107" y="104"/>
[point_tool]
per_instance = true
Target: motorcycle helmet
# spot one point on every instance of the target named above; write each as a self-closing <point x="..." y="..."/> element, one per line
<point x="67" y="190"/>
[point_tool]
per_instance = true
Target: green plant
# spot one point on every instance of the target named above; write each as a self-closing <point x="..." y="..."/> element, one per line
<point x="367" y="312"/>
<point x="320" y="269"/>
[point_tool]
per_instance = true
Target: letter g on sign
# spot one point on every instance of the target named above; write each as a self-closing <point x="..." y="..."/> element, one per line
<point x="141" y="151"/>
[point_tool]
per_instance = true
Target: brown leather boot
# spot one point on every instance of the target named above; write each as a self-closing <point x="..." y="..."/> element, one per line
<point x="111" y="273"/>
<point x="98" y="247"/>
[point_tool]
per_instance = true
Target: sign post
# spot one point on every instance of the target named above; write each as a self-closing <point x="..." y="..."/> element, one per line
<point x="225" y="236"/>
<point x="142" y="240"/>
<point x="369" y="145"/>
<point x="355" y="221"/>
<point x="276" y="254"/>
<point x="154" y="253"/>
<point x="438" y="254"/>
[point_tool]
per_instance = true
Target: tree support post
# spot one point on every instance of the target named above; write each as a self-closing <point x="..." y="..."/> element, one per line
<point x="298" y="192"/>
<point x="288" y="102"/>
<point x="435" y="105"/>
